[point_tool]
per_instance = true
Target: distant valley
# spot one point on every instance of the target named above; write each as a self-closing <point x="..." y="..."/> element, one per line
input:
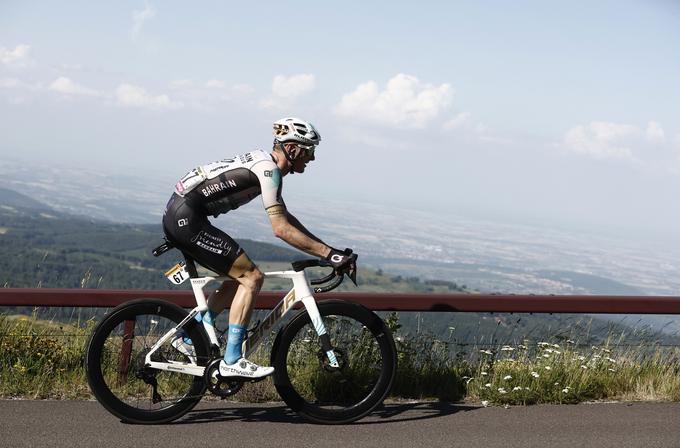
<point x="481" y="254"/>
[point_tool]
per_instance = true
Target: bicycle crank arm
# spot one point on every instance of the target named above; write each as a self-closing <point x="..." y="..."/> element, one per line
<point x="177" y="367"/>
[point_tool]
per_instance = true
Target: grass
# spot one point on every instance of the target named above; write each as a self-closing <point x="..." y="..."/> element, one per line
<point x="43" y="359"/>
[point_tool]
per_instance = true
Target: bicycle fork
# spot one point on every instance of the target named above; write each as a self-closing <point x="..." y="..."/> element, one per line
<point x="320" y="328"/>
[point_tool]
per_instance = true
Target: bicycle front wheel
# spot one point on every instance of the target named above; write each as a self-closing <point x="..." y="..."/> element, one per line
<point x="115" y="363"/>
<point x="366" y="354"/>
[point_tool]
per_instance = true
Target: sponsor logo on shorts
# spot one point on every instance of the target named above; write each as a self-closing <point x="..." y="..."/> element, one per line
<point x="212" y="243"/>
<point x="211" y="249"/>
<point x="182" y="222"/>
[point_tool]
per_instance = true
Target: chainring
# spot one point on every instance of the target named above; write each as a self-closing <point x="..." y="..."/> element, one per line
<point x="219" y="385"/>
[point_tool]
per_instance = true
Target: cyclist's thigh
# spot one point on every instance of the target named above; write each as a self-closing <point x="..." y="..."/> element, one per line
<point x="193" y="234"/>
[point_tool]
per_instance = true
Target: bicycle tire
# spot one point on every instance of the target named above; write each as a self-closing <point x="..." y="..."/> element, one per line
<point x="360" y="338"/>
<point x="111" y="385"/>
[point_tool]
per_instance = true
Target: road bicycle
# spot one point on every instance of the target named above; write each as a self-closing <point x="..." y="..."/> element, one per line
<point x="334" y="360"/>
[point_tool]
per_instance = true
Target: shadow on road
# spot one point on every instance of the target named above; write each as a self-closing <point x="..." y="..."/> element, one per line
<point x="387" y="413"/>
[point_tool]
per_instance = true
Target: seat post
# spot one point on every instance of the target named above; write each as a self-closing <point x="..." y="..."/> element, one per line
<point x="190" y="265"/>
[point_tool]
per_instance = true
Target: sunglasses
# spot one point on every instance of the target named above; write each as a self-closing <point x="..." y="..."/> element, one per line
<point x="308" y="149"/>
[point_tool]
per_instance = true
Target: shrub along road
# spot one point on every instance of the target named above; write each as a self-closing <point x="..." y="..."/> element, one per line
<point x="86" y="424"/>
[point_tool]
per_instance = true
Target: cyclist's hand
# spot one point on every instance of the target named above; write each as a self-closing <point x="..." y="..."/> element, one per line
<point x="344" y="262"/>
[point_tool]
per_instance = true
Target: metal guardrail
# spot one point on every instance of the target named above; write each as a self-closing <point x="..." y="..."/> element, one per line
<point x="599" y="304"/>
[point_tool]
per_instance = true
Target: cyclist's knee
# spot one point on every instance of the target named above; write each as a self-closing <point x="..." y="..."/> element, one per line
<point x="256" y="277"/>
<point x="252" y="279"/>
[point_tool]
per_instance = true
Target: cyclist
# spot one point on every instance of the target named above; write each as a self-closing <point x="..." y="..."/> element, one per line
<point x="225" y="185"/>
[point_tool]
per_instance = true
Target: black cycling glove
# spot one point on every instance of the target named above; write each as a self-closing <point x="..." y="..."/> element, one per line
<point x="344" y="262"/>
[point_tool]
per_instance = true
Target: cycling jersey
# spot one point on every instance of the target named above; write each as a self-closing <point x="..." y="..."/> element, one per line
<point x="214" y="189"/>
<point x="228" y="184"/>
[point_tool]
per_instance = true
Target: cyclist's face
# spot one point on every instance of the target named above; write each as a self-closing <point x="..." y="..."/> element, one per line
<point x="303" y="159"/>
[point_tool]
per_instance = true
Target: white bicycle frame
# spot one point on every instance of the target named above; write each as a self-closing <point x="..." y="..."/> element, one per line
<point x="300" y="292"/>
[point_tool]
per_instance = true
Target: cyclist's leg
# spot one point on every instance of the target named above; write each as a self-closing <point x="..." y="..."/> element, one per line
<point x="250" y="280"/>
<point x="192" y="233"/>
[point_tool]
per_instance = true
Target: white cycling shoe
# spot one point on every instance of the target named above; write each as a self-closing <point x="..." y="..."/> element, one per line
<point x="183" y="344"/>
<point x="244" y="368"/>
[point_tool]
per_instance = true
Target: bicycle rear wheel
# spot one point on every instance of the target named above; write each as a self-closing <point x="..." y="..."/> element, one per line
<point x="115" y="370"/>
<point x="366" y="354"/>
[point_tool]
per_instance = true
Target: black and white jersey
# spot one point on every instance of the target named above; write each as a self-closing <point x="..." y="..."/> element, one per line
<point x="227" y="184"/>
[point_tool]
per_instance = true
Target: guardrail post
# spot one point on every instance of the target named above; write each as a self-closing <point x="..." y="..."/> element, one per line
<point x="126" y="351"/>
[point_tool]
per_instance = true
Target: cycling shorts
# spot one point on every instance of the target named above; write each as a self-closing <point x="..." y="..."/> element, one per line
<point x="188" y="228"/>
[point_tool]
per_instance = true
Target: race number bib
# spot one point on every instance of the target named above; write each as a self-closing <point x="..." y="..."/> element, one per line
<point x="177" y="274"/>
<point x="190" y="180"/>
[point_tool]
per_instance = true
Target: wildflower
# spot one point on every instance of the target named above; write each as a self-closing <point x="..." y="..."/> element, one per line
<point x="487" y="385"/>
<point x="611" y="370"/>
<point x="507" y="377"/>
<point x="484" y="373"/>
<point x="543" y="344"/>
<point x="506" y="348"/>
<point x="485" y="403"/>
<point x="526" y="388"/>
<point x="596" y="356"/>
<point x="549" y="350"/>
<point x="557" y="352"/>
<point x="516" y="388"/>
<point x="452" y="328"/>
<point x="569" y="341"/>
<point x="556" y="384"/>
<point x="545" y="355"/>
<point x="548" y="368"/>
<point x="584" y="366"/>
<point x="556" y="345"/>
<point x="611" y="360"/>
<point x="486" y="352"/>
<point x="535" y="374"/>
<point x="606" y="350"/>
<point x="522" y="346"/>
<point x="399" y="339"/>
<point x="502" y="390"/>
<point x="565" y="390"/>
<point x="581" y="358"/>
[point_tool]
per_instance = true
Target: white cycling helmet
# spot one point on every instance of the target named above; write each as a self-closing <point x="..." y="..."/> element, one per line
<point x="295" y="130"/>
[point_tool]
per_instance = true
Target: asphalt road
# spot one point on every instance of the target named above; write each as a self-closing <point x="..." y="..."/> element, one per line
<point x="219" y="424"/>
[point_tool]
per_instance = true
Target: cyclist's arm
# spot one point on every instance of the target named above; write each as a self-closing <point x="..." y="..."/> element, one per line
<point x="289" y="229"/>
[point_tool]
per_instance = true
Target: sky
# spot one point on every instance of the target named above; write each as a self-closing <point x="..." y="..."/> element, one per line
<point x="561" y="113"/>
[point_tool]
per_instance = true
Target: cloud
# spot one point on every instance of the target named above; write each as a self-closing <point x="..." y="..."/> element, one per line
<point x="458" y="121"/>
<point x="405" y="102"/>
<point x="643" y="147"/>
<point x="19" y="57"/>
<point x="655" y="132"/>
<point x="242" y="89"/>
<point x="128" y="95"/>
<point x="286" y="89"/>
<point x="65" y="86"/>
<point x="293" y="86"/>
<point x="215" y="84"/>
<point x="141" y="17"/>
<point x="602" y="140"/>
<point x="10" y="83"/>
<point x="181" y="84"/>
